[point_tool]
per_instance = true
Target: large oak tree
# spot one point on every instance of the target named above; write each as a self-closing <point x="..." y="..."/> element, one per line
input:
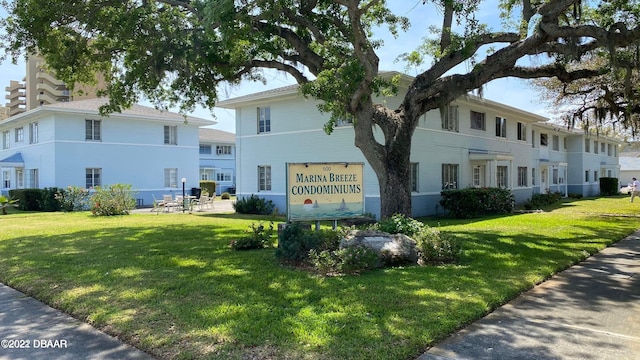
<point x="179" y="51"/>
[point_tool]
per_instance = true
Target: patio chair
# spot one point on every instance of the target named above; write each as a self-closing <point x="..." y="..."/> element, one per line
<point x="201" y="201"/>
<point x="169" y="203"/>
<point x="158" y="205"/>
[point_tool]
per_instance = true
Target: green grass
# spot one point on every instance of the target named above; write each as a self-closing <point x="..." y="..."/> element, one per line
<point x="170" y="285"/>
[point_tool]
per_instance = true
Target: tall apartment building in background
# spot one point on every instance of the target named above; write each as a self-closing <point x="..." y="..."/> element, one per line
<point x="40" y="87"/>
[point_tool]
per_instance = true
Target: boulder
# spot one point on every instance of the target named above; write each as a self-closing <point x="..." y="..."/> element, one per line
<point x="393" y="249"/>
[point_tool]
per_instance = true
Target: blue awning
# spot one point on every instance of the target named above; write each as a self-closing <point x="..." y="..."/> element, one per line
<point x="14" y="160"/>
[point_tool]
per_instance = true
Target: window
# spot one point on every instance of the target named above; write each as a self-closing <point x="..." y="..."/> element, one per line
<point x="223" y="149"/>
<point x="501" y="127"/>
<point x="543" y="140"/>
<point x="33" y="133"/>
<point x="449" y="117"/>
<point x="564" y="142"/>
<point x="93" y="177"/>
<point x="595" y="147"/>
<point x="586" y="176"/>
<point x="533" y="138"/>
<point x="20" y="178"/>
<point x="206" y="174"/>
<point x="476" y="174"/>
<point x="264" y="120"/>
<point x="522" y="132"/>
<point x="264" y="178"/>
<point x="205" y="150"/>
<point x="477" y="120"/>
<point x="223" y="176"/>
<point x="533" y="176"/>
<point x="5" y="139"/>
<point x="502" y="176"/>
<point x="413" y="175"/>
<point x="522" y="176"/>
<point x="587" y="145"/>
<point x="33" y="181"/>
<point x="19" y="134"/>
<point x="609" y="149"/>
<point x="171" y="178"/>
<point x="171" y="135"/>
<point x="555" y="142"/>
<point x="449" y="176"/>
<point x="595" y="176"/>
<point x="603" y="147"/>
<point x="554" y="175"/>
<point x="92" y="130"/>
<point x="6" y="179"/>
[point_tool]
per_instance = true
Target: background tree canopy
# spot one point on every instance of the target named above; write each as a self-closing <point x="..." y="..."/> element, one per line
<point x="178" y="51"/>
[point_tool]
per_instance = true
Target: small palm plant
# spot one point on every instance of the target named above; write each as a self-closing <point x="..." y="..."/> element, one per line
<point x="5" y="203"/>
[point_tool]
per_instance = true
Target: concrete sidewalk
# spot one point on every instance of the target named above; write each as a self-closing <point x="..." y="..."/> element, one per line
<point x="589" y="311"/>
<point x="32" y="330"/>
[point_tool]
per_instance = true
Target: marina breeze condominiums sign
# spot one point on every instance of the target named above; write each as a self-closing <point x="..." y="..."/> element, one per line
<point x="324" y="191"/>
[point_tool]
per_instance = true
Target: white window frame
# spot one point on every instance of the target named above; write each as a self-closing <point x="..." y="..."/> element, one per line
<point x="450" y="119"/>
<point x="19" y="178"/>
<point x="6" y="139"/>
<point x="263" y="120"/>
<point x="502" y="176"/>
<point x="544" y="139"/>
<point x="264" y="178"/>
<point x="33" y="133"/>
<point x="478" y="120"/>
<point x="93" y="177"/>
<point x="522" y="131"/>
<point x="205" y="149"/>
<point x="413" y="175"/>
<point x="92" y="130"/>
<point x="171" y="135"/>
<point x="33" y="179"/>
<point x="206" y="174"/>
<point x="171" y="178"/>
<point x="501" y="127"/>
<point x="6" y="179"/>
<point x="555" y="142"/>
<point x="19" y="135"/>
<point x="522" y="176"/>
<point x="223" y="149"/>
<point x="224" y="176"/>
<point x="450" y="176"/>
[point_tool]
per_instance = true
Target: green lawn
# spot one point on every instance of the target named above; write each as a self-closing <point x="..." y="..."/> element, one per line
<point x="170" y="285"/>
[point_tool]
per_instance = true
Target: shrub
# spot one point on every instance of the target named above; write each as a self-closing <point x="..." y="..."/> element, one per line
<point x="117" y="199"/>
<point x="208" y="186"/>
<point x="295" y="243"/>
<point x="225" y="196"/>
<point x="541" y="200"/>
<point x="254" y="205"/>
<point x="258" y="237"/>
<point x="437" y="247"/>
<point x="609" y="186"/>
<point x="348" y="260"/>
<point x="28" y="199"/>
<point x="73" y="198"/>
<point x="472" y="202"/>
<point x="48" y="200"/>
<point x="399" y="224"/>
<point x="354" y="259"/>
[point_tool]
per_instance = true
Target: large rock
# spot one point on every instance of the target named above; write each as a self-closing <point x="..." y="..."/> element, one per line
<point x="393" y="249"/>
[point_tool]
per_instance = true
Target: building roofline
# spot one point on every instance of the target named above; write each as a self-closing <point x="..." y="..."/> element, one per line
<point x="135" y="112"/>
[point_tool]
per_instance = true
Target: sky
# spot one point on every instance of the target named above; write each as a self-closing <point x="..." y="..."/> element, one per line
<point x="510" y="91"/>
